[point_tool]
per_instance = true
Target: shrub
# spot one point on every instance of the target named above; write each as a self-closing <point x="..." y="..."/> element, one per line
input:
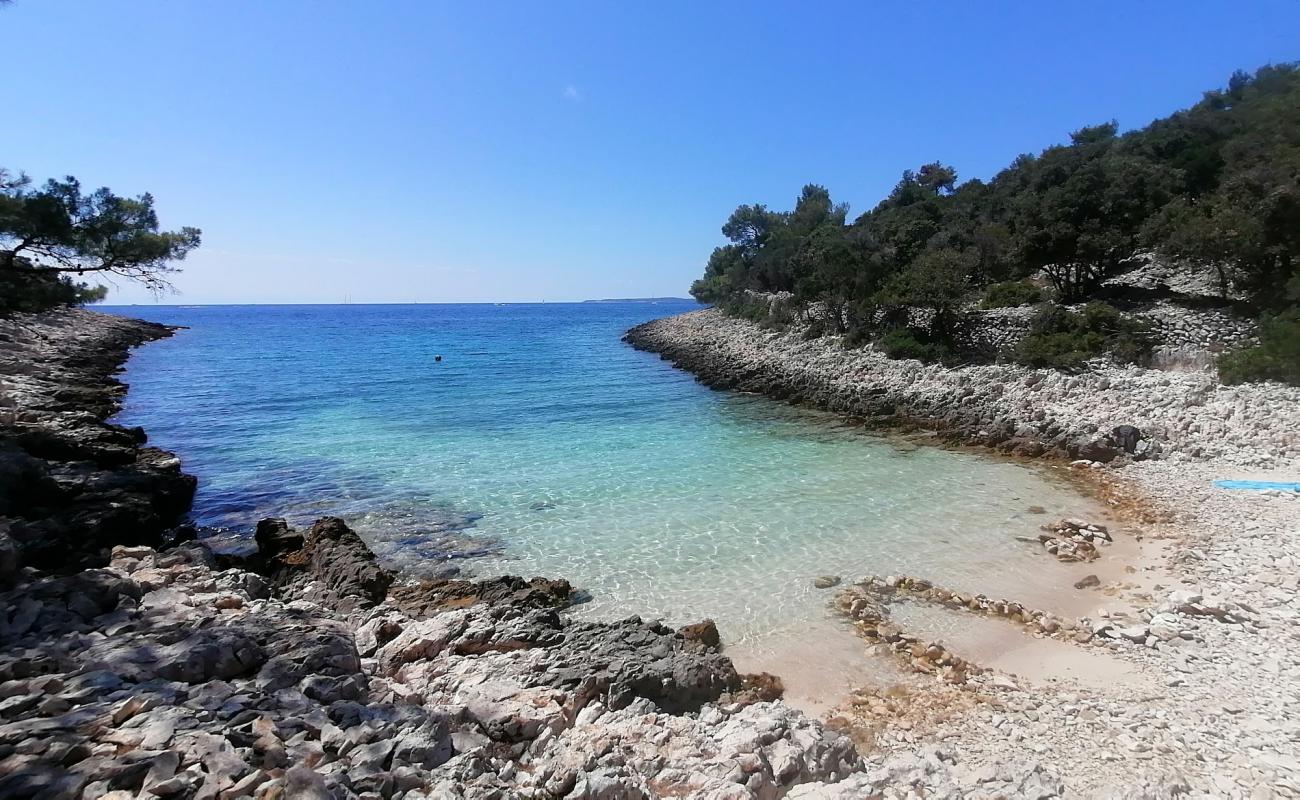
<point x="1012" y="293"/>
<point x="1062" y="339"/>
<point x="1276" y="357"/>
<point x="23" y="290"/>
<point x="918" y="344"/>
<point x="746" y="305"/>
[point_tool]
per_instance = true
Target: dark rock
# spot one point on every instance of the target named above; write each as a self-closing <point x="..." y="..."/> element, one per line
<point x="275" y="538"/>
<point x="1087" y="582"/>
<point x="72" y="484"/>
<point x="304" y="650"/>
<point x="1024" y="447"/>
<point x="1126" y="437"/>
<point x="705" y="632"/>
<point x="211" y="653"/>
<point x="10" y="556"/>
<point x="332" y="555"/>
<point x="1096" y="448"/>
<point x="631" y="658"/>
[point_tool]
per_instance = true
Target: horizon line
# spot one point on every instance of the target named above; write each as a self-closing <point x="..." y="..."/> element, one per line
<point x="409" y="303"/>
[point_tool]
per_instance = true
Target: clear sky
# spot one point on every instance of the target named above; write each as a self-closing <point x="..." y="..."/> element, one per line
<point x="439" y="152"/>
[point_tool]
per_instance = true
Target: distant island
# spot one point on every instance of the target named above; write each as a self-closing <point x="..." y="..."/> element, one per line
<point x="644" y="300"/>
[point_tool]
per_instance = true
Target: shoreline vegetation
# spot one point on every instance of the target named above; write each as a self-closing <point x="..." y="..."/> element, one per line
<point x="1197" y="212"/>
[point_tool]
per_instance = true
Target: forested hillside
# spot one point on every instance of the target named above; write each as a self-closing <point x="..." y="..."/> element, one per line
<point x="1213" y="187"/>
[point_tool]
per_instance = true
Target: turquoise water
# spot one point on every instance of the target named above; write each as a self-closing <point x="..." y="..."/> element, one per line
<point x="542" y="445"/>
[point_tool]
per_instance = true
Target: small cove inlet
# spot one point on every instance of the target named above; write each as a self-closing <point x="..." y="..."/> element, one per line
<point x="542" y="445"/>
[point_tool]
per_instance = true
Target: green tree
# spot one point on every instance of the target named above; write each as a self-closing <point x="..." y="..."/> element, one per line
<point x="726" y="268"/>
<point x="60" y="230"/>
<point x="937" y="280"/>
<point x="937" y="178"/>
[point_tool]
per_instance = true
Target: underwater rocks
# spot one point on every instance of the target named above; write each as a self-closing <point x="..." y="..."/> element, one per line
<point x="432" y="596"/>
<point x="71" y="484"/>
<point x="1073" y="540"/>
<point x="867" y="602"/>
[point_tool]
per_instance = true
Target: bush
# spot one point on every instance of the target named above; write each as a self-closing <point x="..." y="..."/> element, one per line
<point x="1062" y="339"/>
<point x="918" y="344"/>
<point x="23" y="290"/>
<point x="1277" y="357"/>
<point x="1012" y="293"/>
<point x="746" y="305"/>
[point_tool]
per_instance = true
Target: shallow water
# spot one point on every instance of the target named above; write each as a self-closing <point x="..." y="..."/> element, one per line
<point x="541" y="444"/>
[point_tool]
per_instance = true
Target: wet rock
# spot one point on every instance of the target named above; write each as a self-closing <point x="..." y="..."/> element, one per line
<point x="705" y="632"/>
<point x="1087" y="582"/>
<point x="826" y="581"/>
<point x="761" y="687"/>
<point x="427" y="598"/>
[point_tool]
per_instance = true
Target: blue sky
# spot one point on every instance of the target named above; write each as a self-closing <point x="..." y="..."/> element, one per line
<point x="425" y="151"/>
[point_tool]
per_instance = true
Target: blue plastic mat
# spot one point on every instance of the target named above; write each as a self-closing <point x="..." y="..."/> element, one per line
<point x="1284" y="486"/>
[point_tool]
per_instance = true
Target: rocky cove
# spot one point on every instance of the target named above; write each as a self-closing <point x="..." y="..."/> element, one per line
<point x="138" y="664"/>
<point x="143" y="665"/>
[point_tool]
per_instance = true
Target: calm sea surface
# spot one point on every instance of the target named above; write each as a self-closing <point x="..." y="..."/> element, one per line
<point x="542" y="445"/>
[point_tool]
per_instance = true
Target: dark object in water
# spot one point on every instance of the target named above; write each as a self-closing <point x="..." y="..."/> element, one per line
<point x="437" y="358"/>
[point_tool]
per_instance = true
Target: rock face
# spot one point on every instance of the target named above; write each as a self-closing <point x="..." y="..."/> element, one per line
<point x="72" y="485"/>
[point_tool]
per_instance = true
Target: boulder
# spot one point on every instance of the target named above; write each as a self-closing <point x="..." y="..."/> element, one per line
<point x="331" y="564"/>
<point x="210" y="653"/>
<point x="1126" y="437"/>
<point x="705" y="632"/>
<point x="1095" y="448"/>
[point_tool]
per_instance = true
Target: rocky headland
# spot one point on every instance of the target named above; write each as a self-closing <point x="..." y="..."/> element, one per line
<point x="71" y="484"/>
<point x="1208" y="632"/>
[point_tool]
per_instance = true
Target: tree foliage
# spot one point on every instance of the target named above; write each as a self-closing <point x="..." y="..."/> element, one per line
<point x="57" y="230"/>
<point x="1217" y="184"/>
<point x="1065" y="340"/>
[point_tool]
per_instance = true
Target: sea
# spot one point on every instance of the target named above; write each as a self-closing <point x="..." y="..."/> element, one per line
<point x="529" y="439"/>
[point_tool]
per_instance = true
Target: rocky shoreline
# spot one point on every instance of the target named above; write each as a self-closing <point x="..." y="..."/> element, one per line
<point x="1187" y="415"/>
<point x="142" y="665"/>
<point x="71" y="484"/>
<point x="1209" y="636"/>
